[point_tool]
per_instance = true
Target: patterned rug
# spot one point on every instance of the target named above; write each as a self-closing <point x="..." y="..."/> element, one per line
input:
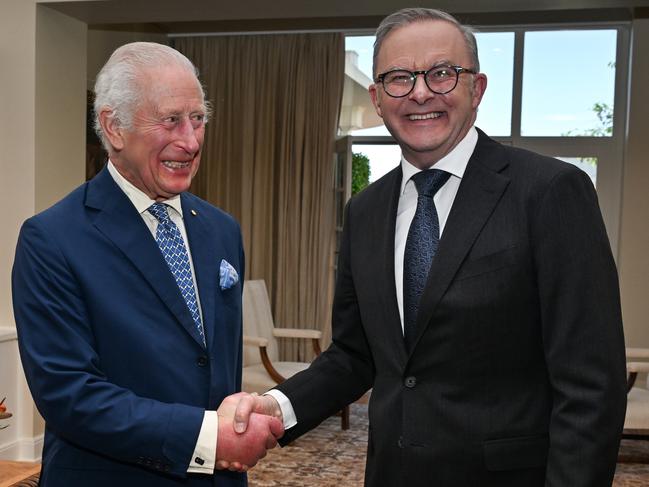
<point x="330" y="457"/>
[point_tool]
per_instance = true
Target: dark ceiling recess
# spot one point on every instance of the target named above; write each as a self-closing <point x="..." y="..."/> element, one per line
<point x="204" y="16"/>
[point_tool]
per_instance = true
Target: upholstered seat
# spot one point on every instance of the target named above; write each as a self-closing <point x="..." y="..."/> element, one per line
<point x="636" y="423"/>
<point x="256" y="377"/>
<point x="637" y="413"/>
<point x="262" y="369"/>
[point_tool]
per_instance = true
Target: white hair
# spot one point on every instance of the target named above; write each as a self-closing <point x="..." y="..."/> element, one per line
<point x="118" y="86"/>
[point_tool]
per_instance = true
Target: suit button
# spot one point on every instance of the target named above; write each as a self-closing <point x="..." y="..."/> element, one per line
<point x="201" y="361"/>
<point x="410" y="382"/>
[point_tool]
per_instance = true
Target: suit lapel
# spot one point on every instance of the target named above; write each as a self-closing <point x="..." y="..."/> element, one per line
<point x="480" y="190"/>
<point x="120" y="222"/>
<point x="383" y="234"/>
<point x="205" y="248"/>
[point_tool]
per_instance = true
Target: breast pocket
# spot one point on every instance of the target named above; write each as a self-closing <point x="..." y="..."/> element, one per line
<point x="488" y="263"/>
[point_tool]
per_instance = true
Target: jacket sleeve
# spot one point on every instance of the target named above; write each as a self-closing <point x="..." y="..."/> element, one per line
<point x="343" y="372"/>
<point x="63" y="368"/>
<point x="582" y="333"/>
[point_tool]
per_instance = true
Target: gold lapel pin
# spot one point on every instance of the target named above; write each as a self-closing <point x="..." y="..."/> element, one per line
<point x="193" y="212"/>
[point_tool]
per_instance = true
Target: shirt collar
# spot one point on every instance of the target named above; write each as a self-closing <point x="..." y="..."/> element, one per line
<point x="454" y="162"/>
<point x="139" y="199"/>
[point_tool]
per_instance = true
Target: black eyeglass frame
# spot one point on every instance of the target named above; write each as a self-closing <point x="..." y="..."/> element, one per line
<point x="413" y="75"/>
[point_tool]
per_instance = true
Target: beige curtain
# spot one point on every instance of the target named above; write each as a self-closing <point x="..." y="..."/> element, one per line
<point x="268" y="160"/>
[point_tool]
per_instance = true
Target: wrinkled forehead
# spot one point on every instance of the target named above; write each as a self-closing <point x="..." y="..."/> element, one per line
<point x="174" y="88"/>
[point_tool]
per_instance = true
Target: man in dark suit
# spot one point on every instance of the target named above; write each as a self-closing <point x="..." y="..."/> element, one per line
<point x="127" y="299"/>
<point x="476" y="295"/>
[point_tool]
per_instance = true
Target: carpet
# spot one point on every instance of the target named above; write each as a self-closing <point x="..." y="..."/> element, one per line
<point x="330" y="457"/>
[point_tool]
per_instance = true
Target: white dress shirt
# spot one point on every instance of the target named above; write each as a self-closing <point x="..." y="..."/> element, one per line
<point x="455" y="163"/>
<point x="205" y="450"/>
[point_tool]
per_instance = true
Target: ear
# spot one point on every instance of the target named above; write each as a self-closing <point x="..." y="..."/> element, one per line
<point x="479" y="87"/>
<point x="111" y="128"/>
<point x="375" y="97"/>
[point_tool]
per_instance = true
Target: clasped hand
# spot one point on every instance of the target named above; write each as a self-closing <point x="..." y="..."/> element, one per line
<point x="249" y="425"/>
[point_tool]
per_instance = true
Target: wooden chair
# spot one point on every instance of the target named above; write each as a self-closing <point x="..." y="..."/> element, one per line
<point x="636" y="423"/>
<point x="262" y="369"/>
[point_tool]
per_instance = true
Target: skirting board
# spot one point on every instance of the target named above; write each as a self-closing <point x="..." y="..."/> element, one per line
<point x="25" y="450"/>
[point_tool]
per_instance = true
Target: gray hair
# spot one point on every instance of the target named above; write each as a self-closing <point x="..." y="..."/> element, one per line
<point x="118" y="86"/>
<point x="407" y="16"/>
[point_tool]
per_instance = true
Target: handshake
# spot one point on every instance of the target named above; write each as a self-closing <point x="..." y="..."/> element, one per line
<point x="249" y="426"/>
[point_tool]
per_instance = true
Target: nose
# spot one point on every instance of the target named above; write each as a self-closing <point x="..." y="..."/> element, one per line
<point x="188" y="136"/>
<point x="420" y="92"/>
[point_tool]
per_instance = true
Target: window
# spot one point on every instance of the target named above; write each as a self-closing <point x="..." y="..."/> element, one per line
<point x="557" y="91"/>
<point x="383" y="157"/>
<point x="496" y="53"/>
<point x="358" y="77"/>
<point x="569" y="83"/>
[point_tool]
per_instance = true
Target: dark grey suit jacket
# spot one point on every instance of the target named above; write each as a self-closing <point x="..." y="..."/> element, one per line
<point x="517" y="376"/>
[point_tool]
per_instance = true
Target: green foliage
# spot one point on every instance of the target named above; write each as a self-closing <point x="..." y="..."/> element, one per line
<point x="604" y="113"/>
<point x="360" y="172"/>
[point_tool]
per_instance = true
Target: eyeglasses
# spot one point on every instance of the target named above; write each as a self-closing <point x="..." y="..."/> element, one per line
<point x="439" y="79"/>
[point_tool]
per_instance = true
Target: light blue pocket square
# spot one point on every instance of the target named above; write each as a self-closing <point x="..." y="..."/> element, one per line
<point x="229" y="276"/>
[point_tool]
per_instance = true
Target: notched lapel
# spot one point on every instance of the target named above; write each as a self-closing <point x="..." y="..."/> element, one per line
<point x="382" y="232"/>
<point x="480" y="191"/>
<point x="120" y="222"/>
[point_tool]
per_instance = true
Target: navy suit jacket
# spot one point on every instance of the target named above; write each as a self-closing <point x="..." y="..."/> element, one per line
<point x="110" y="351"/>
<point x="517" y="373"/>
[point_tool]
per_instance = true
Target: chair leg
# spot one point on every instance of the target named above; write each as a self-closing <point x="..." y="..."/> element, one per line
<point x="344" y="415"/>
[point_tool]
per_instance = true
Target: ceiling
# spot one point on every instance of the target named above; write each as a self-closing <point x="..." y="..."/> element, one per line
<point x="178" y="16"/>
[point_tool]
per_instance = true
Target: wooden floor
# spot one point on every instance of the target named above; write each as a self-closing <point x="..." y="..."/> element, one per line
<point x="12" y="472"/>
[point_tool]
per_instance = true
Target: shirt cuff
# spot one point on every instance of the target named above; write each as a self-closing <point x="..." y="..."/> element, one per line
<point x="288" y="414"/>
<point x="204" y="456"/>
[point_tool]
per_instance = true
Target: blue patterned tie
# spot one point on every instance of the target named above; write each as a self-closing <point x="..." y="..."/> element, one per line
<point x="421" y="246"/>
<point x="173" y="249"/>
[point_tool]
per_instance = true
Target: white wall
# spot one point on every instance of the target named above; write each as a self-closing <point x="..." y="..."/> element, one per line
<point x="42" y="147"/>
<point x="60" y="105"/>
<point x="102" y="43"/>
<point x="634" y="234"/>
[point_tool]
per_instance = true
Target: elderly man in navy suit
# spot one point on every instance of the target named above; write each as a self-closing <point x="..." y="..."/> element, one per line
<point x="476" y="294"/>
<point x="127" y="299"/>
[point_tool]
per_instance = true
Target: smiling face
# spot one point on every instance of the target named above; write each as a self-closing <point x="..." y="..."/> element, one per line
<point x="160" y="154"/>
<point x="426" y="125"/>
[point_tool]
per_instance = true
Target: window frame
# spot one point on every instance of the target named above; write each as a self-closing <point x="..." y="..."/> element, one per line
<point x="609" y="151"/>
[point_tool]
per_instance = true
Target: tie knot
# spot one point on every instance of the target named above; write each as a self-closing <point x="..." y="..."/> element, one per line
<point x="429" y="181"/>
<point x="159" y="211"/>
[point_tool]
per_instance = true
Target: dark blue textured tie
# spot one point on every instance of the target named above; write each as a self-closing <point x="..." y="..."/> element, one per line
<point x="421" y="246"/>
<point x="173" y="249"/>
